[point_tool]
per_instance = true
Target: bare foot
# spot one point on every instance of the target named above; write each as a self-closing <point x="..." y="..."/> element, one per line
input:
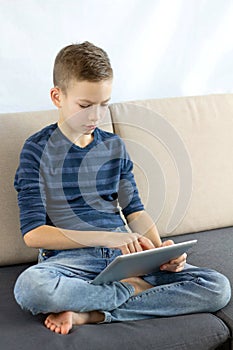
<point x="63" y="321"/>
<point x="138" y="283"/>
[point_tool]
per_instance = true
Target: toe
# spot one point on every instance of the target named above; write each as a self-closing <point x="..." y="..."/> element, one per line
<point x="57" y="329"/>
<point x="53" y="327"/>
<point x="65" y="329"/>
<point x="47" y="324"/>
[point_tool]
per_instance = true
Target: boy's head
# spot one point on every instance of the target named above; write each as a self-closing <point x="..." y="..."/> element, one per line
<point x="81" y="62"/>
<point x="82" y="78"/>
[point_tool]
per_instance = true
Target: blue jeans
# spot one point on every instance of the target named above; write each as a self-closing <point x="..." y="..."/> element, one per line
<point x="61" y="282"/>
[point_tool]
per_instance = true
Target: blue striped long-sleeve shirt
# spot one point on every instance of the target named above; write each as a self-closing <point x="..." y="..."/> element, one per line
<point x="63" y="185"/>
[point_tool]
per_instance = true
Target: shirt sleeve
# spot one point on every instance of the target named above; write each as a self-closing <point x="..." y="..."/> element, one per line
<point x="128" y="195"/>
<point x="30" y="187"/>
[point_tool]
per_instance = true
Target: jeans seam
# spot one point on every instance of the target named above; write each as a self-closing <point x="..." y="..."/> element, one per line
<point x="159" y="289"/>
<point x="129" y="287"/>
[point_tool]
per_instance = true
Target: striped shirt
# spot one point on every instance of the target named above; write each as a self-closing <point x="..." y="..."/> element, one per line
<point x="63" y="185"/>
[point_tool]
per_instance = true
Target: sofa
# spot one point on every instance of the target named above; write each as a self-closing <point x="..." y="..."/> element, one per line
<point x="182" y="153"/>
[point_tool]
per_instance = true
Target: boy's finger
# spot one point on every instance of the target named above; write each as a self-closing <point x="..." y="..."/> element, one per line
<point x="146" y="243"/>
<point x="137" y="246"/>
<point x="179" y="260"/>
<point x="131" y="247"/>
<point x="167" y="243"/>
<point x="124" y="249"/>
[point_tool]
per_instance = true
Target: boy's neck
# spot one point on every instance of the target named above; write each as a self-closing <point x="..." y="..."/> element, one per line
<point x="80" y="140"/>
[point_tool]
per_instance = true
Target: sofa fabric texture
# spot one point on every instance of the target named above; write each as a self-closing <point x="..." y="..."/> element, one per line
<point x="181" y="148"/>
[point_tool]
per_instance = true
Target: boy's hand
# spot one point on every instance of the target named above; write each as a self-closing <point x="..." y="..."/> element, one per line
<point x="133" y="242"/>
<point x="137" y="245"/>
<point x="175" y="265"/>
<point x="130" y="242"/>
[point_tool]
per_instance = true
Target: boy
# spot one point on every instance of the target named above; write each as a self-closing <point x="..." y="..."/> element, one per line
<point x="71" y="178"/>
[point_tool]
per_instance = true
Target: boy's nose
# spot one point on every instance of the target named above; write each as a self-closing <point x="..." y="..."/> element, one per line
<point x="97" y="113"/>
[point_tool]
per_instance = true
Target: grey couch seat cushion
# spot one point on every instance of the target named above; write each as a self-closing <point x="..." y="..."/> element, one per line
<point x="22" y="331"/>
<point x="214" y="250"/>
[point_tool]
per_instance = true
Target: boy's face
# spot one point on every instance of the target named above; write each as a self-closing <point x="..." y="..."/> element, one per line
<point x="83" y="106"/>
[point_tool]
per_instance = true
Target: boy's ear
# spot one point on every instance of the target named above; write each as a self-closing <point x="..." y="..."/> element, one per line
<point x="55" y="94"/>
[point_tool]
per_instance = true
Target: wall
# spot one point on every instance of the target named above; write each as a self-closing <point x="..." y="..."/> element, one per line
<point x="158" y="48"/>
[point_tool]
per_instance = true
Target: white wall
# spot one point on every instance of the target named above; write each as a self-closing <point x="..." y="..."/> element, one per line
<point x="158" y="48"/>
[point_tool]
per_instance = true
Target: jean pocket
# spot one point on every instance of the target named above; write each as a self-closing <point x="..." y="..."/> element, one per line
<point x="44" y="254"/>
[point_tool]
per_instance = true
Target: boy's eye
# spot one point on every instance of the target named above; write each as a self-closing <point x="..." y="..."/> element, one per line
<point x="86" y="106"/>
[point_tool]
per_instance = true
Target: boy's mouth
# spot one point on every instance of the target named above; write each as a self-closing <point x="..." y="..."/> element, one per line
<point x="90" y="127"/>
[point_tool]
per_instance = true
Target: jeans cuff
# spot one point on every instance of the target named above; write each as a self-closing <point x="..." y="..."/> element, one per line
<point x="107" y="317"/>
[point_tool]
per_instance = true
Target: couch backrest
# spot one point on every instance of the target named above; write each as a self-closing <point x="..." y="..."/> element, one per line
<point x="182" y="149"/>
<point x="15" y="129"/>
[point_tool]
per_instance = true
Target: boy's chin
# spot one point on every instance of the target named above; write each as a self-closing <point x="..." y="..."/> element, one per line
<point x="88" y="131"/>
<point x="86" y="134"/>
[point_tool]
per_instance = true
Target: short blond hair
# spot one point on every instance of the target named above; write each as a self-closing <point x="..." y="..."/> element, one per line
<point x="81" y="62"/>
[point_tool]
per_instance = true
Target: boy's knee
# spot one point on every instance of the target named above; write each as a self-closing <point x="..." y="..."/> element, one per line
<point x="31" y="288"/>
<point x="222" y="290"/>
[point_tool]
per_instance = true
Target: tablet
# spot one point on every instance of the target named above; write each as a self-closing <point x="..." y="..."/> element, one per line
<point x="141" y="263"/>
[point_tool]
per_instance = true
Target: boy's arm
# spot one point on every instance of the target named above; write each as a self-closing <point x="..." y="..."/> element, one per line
<point x="50" y="237"/>
<point x="142" y="223"/>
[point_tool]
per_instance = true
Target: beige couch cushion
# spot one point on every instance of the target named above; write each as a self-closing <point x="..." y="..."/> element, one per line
<point x="182" y="150"/>
<point x="15" y="128"/>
